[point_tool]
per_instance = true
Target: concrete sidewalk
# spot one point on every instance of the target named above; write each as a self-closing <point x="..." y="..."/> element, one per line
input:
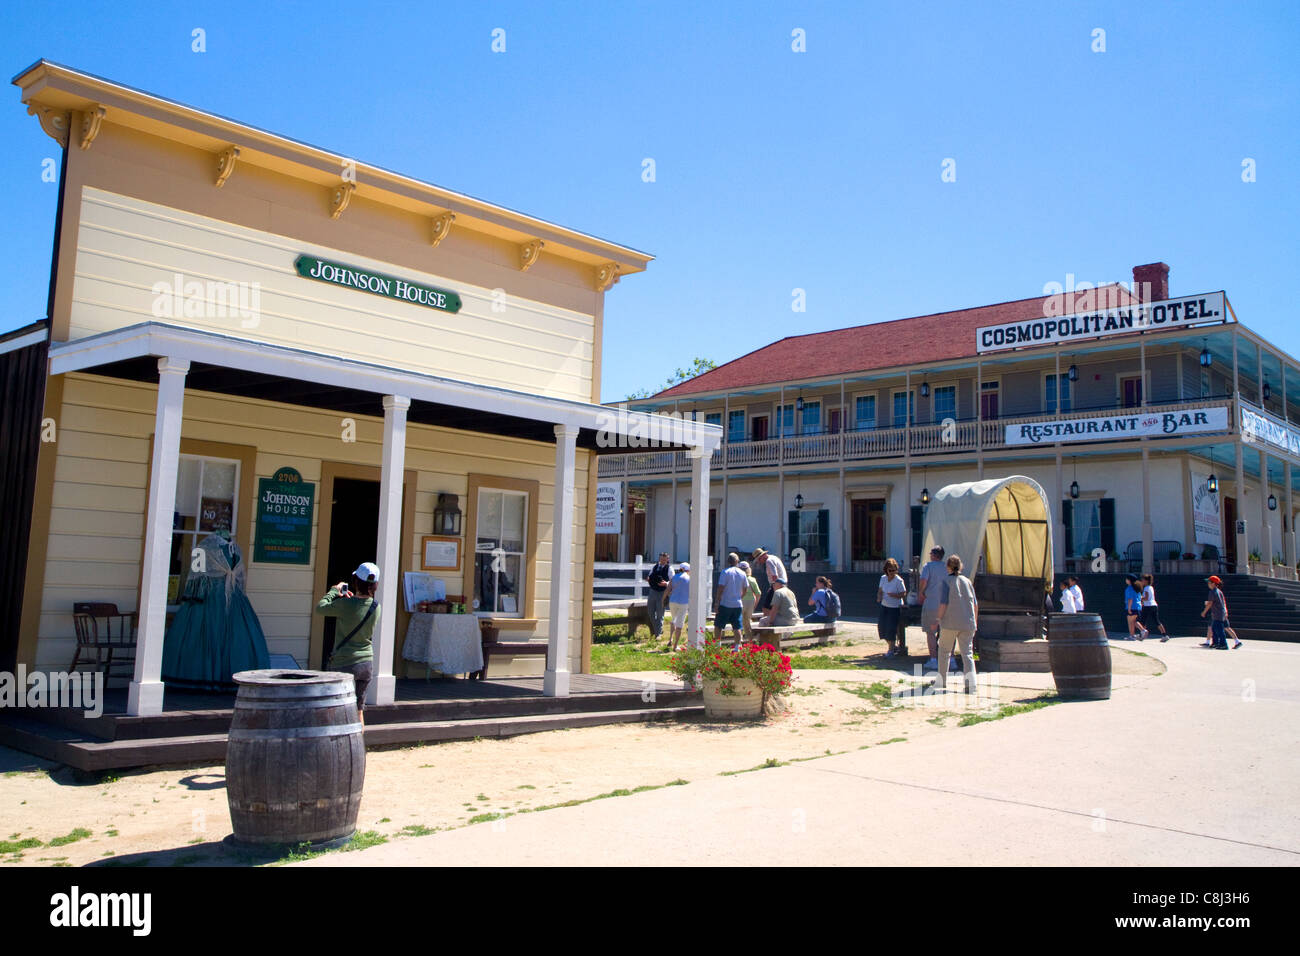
<point x="1199" y="766"/>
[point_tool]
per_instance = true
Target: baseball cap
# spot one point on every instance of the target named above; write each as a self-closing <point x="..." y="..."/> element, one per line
<point x="1214" y="579"/>
<point x="366" y="571"/>
<point x="685" y="565"/>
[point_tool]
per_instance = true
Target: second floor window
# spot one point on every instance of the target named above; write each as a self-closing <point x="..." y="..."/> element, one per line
<point x="1050" y="384"/>
<point x="812" y="418"/>
<point x="945" y="402"/>
<point x="989" y="400"/>
<point x="864" y="411"/>
<point x="736" y="426"/>
<point x="904" y="408"/>
<point x="784" y="421"/>
<point x="713" y="418"/>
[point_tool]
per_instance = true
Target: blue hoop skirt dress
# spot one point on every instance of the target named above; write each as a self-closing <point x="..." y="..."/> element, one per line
<point x="215" y="633"/>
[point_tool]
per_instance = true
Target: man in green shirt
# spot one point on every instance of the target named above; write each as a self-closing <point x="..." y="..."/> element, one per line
<point x="357" y="613"/>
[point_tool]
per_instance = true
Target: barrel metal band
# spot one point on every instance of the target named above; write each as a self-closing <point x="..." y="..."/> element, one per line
<point x="292" y="733"/>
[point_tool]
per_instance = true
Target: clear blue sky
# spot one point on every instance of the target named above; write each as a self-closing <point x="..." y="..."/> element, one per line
<point x="775" y="170"/>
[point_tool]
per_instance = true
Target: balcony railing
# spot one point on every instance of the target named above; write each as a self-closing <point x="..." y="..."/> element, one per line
<point x="872" y="443"/>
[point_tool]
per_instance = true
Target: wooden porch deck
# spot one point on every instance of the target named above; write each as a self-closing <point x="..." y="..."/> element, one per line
<point x="192" y="727"/>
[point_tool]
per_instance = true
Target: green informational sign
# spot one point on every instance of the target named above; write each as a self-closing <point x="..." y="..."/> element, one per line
<point x="284" y="510"/>
<point x="376" y="283"/>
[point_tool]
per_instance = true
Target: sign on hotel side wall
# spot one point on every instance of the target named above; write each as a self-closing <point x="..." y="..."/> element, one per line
<point x="284" y="511"/>
<point x="609" y="507"/>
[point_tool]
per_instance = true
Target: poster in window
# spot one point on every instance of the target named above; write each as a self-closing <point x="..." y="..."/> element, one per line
<point x="215" y="514"/>
<point x="285" y="504"/>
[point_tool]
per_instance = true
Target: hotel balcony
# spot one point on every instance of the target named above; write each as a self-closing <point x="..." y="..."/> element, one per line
<point x="871" y="444"/>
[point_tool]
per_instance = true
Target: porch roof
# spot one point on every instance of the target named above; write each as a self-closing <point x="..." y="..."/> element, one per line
<point x="230" y="365"/>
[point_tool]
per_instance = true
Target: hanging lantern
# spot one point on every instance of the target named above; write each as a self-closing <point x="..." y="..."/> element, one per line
<point x="1212" y="484"/>
<point x="1206" y="358"/>
<point x="1266" y="392"/>
<point x="447" y="515"/>
<point x="798" y="502"/>
<point x="1272" y="502"/>
<point x="798" y="404"/>
<point x="925" y="389"/>
<point x="1074" y="489"/>
<point x="1073" y="373"/>
<point x="925" y="496"/>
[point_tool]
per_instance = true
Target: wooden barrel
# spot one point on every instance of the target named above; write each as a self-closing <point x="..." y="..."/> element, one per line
<point x="296" y="760"/>
<point x="1080" y="655"/>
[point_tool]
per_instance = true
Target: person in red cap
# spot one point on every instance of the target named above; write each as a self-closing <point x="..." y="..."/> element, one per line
<point x="1217" y="607"/>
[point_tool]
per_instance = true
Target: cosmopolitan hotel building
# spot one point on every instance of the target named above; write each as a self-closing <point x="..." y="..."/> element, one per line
<point x="253" y="335"/>
<point x="1160" y="423"/>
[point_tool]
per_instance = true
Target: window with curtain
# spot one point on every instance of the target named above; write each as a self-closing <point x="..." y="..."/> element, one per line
<point x="500" y="547"/>
<point x="810" y="530"/>
<point x="206" y="502"/>
<point x="1089" y="524"/>
<point x="864" y="411"/>
<point x="784" y="421"/>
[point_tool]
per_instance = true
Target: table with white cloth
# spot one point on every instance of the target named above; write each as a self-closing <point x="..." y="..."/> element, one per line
<point x="450" y="643"/>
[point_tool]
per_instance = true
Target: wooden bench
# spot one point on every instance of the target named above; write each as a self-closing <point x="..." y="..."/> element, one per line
<point x="637" y="614"/>
<point x="495" y="648"/>
<point x="773" y="635"/>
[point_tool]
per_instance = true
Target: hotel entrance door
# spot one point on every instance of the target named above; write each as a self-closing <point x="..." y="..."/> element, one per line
<point x="867" y="529"/>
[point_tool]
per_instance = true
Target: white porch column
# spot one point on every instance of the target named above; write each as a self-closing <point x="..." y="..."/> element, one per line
<point x="388" y="550"/>
<point x="146" y="692"/>
<point x="1239" y="489"/>
<point x="1058" y="513"/>
<point x="1148" y="543"/>
<point x="1265" y="529"/>
<point x="556" y="681"/>
<point x="701" y="585"/>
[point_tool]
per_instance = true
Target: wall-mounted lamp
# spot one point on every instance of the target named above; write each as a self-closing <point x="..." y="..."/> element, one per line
<point x="447" y="515"/>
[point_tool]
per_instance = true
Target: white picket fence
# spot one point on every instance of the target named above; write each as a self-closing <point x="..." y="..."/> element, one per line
<point x="631" y="575"/>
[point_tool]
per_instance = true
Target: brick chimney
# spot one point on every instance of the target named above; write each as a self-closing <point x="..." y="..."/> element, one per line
<point x="1151" y="282"/>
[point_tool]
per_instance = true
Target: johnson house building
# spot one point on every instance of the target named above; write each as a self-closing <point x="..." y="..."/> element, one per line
<point x="325" y="361"/>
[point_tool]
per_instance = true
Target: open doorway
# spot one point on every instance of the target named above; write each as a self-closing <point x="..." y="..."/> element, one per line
<point x="354" y="532"/>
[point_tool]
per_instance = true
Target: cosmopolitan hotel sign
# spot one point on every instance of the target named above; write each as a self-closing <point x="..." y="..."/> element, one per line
<point x="1058" y="329"/>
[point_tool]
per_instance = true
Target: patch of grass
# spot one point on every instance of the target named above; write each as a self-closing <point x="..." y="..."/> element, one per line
<point x="416" y="830"/>
<point x="109" y="777"/>
<point x="361" y="840"/>
<point x="487" y="817"/>
<point x="767" y="764"/>
<point x="626" y="656"/>
<point x="481" y="797"/>
<point x="194" y="841"/>
<point x="1009" y="710"/>
<point x="892" y="740"/>
<point x="837" y="662"/>
<point x="107" y="853"/>
<point x="805" y="691"/>
<point x="879" y="693"/>
<point x="80" y="833"/>
<point x="187" y="859"/>
<point x="938" y="719"/>
<point x="525" y="786"/>
<point x="820" y="724"/>
<point x="110" y="833"/>
<point x="385" y="820"/>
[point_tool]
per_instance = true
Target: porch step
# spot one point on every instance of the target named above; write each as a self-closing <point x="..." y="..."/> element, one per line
<point x="93" y="754"/>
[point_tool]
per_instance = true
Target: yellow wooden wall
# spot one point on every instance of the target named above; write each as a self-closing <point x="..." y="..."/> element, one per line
<point x="126" y="247"/>
<point x="101" y="475"/>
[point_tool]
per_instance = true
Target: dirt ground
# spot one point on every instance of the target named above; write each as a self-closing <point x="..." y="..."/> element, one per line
<point x="178" y="816"/>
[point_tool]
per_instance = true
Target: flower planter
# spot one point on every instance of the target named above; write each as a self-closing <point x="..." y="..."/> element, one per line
<point x="746" y="701"/>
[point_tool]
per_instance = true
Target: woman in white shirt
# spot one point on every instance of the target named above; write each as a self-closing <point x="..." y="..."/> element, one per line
<point x="1067" y="599"/>
<point x="1151" y="610"/>
<point x="889" y="595"/>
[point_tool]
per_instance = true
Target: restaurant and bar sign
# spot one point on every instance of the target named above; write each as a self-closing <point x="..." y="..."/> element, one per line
<point x="376" y="283"/>
<point x="1107" y="427"/>
<point x="1257" y="427"/>
<point x="284" y="512"/>
<point x="1116" y="320"/>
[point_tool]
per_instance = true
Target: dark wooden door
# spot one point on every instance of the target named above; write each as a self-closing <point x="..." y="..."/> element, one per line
<point x="1230" y="532"/>
<point x="758" y="428"/>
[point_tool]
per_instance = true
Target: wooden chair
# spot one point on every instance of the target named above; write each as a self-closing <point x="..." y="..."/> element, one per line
<point x="102" y="630"/>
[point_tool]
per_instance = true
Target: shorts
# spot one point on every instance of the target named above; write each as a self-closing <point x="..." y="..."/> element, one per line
<point x="1151" y="617"/>
<point x="678" y="612"/>
<point x="929" y="617"/>
<point x="725" y="616"/>
<point x="361" y="672"/>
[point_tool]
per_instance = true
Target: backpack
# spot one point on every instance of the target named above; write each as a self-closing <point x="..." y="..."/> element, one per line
<point x="833" y="608"/>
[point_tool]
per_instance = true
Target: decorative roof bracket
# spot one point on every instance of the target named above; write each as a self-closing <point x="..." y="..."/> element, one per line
<point x="54" y="122"/>
<point x="606" y="276"/>
<point x="340" y="197"/>
<point x="91" y="120"/>
<point x="529" y="253"/>
<point x="441" y="226"/>
<point x="226" y="160"/>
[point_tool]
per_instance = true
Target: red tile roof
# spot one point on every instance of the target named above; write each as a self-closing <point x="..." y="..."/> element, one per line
<point x="900" y="342"/>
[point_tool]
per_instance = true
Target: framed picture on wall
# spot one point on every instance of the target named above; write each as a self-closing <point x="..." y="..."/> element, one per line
<point x="439" y="553"/>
